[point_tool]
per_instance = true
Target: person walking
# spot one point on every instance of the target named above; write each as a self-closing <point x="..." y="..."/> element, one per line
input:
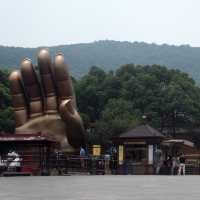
<point x="182" y="164"/>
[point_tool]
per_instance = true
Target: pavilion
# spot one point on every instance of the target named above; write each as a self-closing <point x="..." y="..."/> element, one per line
<point x="137" y="147"/>
<point x="34" y="150"/>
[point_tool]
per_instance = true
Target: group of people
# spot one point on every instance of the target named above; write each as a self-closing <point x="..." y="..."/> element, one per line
<point x="104" y="164"/>
<point x="174" y="165"/>
<point x="12" y="162"/>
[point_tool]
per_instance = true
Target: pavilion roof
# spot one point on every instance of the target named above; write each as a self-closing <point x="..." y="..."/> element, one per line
<point x="24" y="137"/>
<point x="143" y="131"/>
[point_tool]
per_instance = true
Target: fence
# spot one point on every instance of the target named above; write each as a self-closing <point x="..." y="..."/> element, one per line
<point x="55" y="164"/>
<point x="60" y="164"/>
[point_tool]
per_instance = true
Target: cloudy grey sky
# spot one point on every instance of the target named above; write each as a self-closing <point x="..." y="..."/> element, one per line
<point x="32" y="23"/>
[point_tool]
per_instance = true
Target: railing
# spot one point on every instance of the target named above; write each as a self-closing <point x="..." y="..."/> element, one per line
<point x="60" y="164"/>
<point x="77" y="164"/>
<point x="56" y="164"/>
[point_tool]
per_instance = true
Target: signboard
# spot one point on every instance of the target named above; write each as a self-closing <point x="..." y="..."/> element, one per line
<point x="135" y="142"/>
<point x="96" y="150"/>
<point x="150" y="154"/>
<point x="121" y="154"/>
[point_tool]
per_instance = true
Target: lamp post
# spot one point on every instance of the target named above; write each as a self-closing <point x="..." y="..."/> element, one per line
<point x="144" y="119"/>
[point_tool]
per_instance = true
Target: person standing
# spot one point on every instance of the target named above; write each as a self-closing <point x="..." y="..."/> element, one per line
<point x="82" y="152"/>
<point x="169" y="164"/>
<point x="107" y="163"/>
<point x="182" y="164"/>
<point x="158" y="161"/>
<point x="82" y="157"/>
<point x="174" y="165"/>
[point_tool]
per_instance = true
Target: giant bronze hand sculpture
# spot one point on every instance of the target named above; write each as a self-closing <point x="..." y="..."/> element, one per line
<point x="46" y="102"/>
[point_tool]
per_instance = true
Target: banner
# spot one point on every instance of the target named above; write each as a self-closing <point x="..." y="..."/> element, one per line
<point x="150" y="154"/>
<point x="121" y="154"/>
<point x="96" y="150"/>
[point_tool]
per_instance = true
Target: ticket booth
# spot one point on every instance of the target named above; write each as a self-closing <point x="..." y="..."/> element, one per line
<point x="138" y="147"/>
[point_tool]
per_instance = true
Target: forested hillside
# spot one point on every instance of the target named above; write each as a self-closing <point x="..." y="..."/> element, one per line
<point x="112" y="54"/>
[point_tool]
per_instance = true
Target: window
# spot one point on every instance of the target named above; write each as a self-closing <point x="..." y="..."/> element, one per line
<point x="136" y="152"/>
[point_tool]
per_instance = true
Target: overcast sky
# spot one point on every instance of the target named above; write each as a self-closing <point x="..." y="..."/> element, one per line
<point x="32" y="23"/>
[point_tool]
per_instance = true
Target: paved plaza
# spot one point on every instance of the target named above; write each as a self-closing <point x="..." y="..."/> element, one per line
<point x="100" y="188"/>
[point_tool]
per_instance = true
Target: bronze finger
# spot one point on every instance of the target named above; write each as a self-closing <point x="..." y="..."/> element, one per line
<point x="63" y="80"/>
<point x="32" y="88"/>
<point x="45" y="67"/>
<point x="18" y="98"/>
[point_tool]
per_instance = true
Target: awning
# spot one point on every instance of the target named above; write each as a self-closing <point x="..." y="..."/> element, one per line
<point x="178" y="141"/>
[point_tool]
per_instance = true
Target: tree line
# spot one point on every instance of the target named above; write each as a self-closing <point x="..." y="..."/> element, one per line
<point x="115" y="101"/>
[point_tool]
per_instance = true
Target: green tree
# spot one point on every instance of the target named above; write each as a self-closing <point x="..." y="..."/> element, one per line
<point x="117" y="116"/>
<point x="90" y="95"/>
<point x="6" y="111"/>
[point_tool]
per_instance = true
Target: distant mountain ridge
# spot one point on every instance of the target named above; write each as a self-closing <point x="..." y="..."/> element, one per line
<point x="111" y="54"/>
